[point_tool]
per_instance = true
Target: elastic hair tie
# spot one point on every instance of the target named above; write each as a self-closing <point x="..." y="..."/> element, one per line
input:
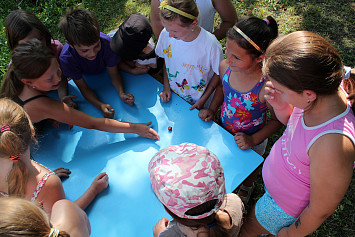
<point x="347" y="72"/>
<point x="267" y="21"/>
<point x="54" y="232"/>
<point x="247" y="38"/>
<point x="15" y="158"/>
<point x="5" y="128"/>
<point x="165" y="5"/>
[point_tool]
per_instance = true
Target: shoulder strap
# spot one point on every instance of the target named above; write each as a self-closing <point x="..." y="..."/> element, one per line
<point x="40" y="185"/>
<point x="33" y="98"/>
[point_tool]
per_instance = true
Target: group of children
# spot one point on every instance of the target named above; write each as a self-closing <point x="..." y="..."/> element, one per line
<point x="297" y="78"/>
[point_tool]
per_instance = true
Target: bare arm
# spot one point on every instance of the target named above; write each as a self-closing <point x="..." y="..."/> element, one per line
<point x="90" y="96"/>
<point x="226" y="11"/>
<point x="209" y="90"/>
<point x="99" y="184"/>
<point x="165" y="95"/>
<point x="332" y="160"/>
<point x="63" y="93"/>
<point x="116" y="80"/>
<point x="131" y="67"/>
<point x="155" y="18"/>
<point x="208" y="114"/>
<point x="44" y="108"/>
<point x="51" y="192"/>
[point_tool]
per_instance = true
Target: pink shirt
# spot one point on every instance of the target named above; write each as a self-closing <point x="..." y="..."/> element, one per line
<point x="286" y="171"/>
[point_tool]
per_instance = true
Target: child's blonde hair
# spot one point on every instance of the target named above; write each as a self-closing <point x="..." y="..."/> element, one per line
<point x="20" y="217"/>
<point x="187" y="6"/>
<point x="15" y="140"/>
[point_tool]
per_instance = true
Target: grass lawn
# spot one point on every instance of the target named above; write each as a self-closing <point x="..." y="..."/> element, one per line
<point x="333" y="19"/>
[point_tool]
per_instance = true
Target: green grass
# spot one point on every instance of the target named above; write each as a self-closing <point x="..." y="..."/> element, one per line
<point x="333" y="19"/>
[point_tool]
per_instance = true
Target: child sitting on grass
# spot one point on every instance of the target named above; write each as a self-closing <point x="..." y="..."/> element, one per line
<point x="88" y="51"/>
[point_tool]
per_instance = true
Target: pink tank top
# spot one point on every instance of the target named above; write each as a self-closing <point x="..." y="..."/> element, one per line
<point x="286" y="171"/>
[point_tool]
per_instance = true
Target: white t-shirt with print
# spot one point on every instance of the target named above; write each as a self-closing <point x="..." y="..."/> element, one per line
<point x="190" y="65"/>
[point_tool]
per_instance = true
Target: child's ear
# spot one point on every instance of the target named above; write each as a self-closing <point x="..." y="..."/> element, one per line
<point x="28" y="82"/>
<point x="194" y="23"/>
<point x="71" y="46"/>
<point x="260" y="58"/>
<point x="311" y="95"/>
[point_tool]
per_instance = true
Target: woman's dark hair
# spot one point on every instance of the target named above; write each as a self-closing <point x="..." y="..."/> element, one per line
<point x="19" y="23"/>
<point x="262" y="32"/>
<point x="30" y="60"/>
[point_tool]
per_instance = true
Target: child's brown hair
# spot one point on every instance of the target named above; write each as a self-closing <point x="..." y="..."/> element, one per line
<point x="80" y="27"/>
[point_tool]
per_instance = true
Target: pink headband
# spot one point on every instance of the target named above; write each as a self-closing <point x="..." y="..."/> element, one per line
<point x="267" y="21"/>
<point x="185" y="176"/>
<point x="4" y="128"/>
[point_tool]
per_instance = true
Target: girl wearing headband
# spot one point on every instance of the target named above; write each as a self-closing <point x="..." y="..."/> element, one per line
<point x="310" y="167"/>
<point x="20" y="217"/>
<point x="21" y="176"/>
<point x="241" y="89"/>
<point x="191" y="54"/>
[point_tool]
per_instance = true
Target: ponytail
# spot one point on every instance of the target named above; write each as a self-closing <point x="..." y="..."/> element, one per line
<point x="11" y="85"/>
<point x="15" y="138"/>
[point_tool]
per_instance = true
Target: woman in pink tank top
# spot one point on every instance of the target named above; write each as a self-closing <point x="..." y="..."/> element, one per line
<point x="310" y="167"/>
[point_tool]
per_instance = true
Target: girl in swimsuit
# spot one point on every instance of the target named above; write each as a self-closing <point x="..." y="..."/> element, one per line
<point x="22" y="177"/>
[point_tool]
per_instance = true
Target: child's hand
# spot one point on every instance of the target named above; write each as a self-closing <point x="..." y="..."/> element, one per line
<point x="140" y="69"/>
<point x="107" y="111"/>
<point x="100" y="183"/>
<point x="243" y="140"/>
<point x="206" y="115"/>
<point x="62" y="172"/>
<point x="273" y="97"/>
<point x="143" y="130"/>
<point x="160" y="226"/>
<point x="165" y="95"/>
<point x="69" y="101"/>
<point x="127" y="98"/>
<point x="198" y="105"/>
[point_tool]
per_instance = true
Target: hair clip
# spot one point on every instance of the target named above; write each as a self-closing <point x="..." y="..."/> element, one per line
<point x="347" y="72"/>
<point x="54" y="232"/>
<point x="15" y="158"/>
<point x="165" y="5"/>
<point x="247" y="38"/>
<point x="4" y="128"/>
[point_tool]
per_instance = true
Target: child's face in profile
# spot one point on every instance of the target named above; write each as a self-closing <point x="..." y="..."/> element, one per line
<point x="238" y="58"/>
<point x="177" y="30"/>
<point x="88" y="52"/>
<point x="50" y="80"/>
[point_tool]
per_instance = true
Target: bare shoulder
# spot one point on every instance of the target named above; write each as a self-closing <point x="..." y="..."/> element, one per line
<point x="68" y="216"/>
<point x="223" y="67"/>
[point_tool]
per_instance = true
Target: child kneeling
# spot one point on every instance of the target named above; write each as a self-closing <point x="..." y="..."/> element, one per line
<point x="189" y="181"/>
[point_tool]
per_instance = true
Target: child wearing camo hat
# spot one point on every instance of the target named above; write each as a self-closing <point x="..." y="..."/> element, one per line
<point x="189" y="181"/>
